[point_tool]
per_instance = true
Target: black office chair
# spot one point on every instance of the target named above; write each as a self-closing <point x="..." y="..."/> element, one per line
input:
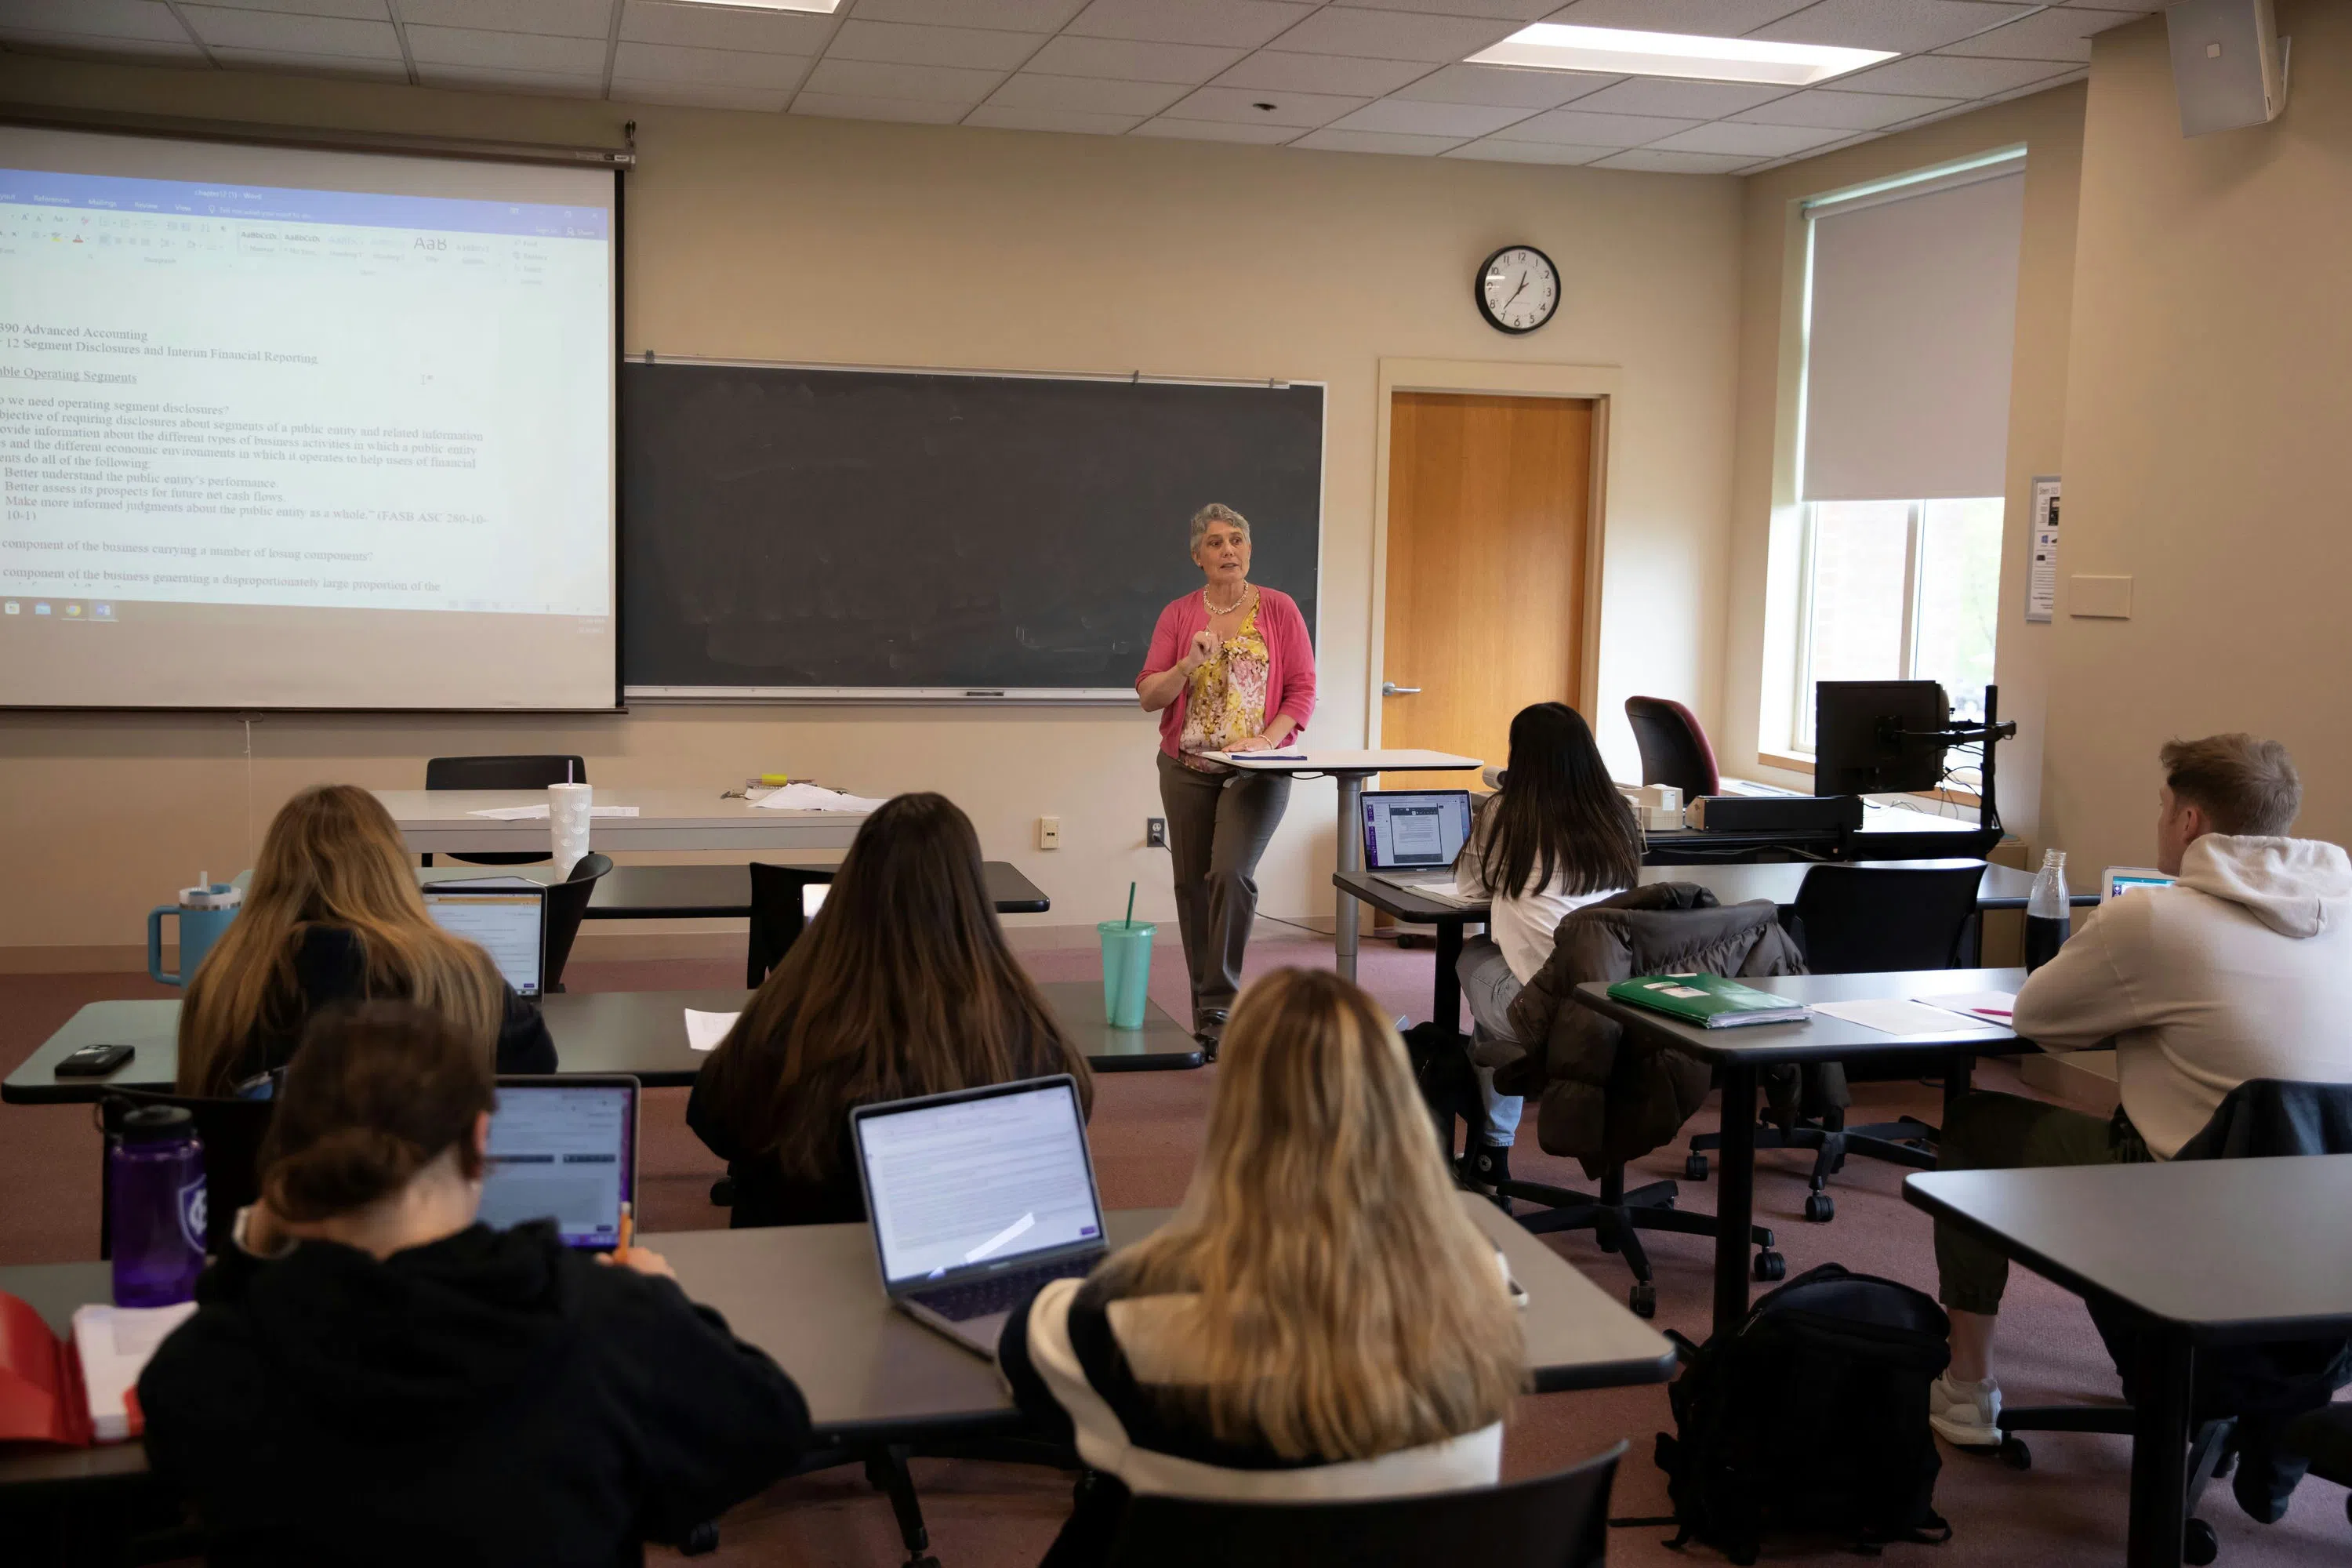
<point x="231" y="1133"/>
<point x="2322" y="1439"/>
<point x="1553" y="1521"/>
<point x="567" y="906"/>
<point x="516" y="771"/>
<point x="1855" y="919"/>
<point x="1675" y="747"/>
<point x="777" y="917"/>
<point x="2274" y="1395"/>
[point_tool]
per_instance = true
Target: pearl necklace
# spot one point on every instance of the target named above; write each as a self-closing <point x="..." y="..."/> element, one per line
<point x="1229" y="609"/>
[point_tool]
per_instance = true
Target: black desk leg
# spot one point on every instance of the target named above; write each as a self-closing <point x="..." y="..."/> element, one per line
<point x="1960" y="1069"/>
<point x="1735" y="1196"/>
<point x="2159" y="1487"/>
<point x="1445" y="1002"/>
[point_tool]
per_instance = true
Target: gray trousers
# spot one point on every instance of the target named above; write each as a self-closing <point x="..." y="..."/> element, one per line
<point x="1489" y="987"/>
<point x="1218" y="825"/>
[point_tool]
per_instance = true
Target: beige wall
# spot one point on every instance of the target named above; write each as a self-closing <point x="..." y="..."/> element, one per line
<point x="1760" y="642"/>
<point x="773" y="237"/>
<point x="2206" y="414"/>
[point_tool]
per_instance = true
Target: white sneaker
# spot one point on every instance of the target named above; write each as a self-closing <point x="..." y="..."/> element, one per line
<point x="1965" y="1416"/>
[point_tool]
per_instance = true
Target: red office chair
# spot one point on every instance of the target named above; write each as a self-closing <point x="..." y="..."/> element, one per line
<point x="1675" y="749"/>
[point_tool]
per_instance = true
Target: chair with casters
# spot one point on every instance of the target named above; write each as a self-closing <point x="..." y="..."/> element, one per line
<point x="779" y="907"/>
<point x="527" y="771"/>
<point x="2254" y="1406"/>
<point x="567" y="906"/>
<point x="231" y="1131"/>
<point x="1675" y="748"/>
<point x="1855" y="919"/>
<point x="1552" y="1521"/>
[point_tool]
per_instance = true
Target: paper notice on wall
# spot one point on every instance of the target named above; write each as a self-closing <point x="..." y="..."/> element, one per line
<point x="2041" y="576"/>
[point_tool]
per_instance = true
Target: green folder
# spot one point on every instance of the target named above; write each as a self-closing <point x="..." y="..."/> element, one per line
<point x="1709" y="1001"/>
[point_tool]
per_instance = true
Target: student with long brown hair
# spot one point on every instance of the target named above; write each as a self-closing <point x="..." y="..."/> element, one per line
<point x="1320" y="1320"/>
<point x="333" y="915"/>
<point x="901" y="985"/>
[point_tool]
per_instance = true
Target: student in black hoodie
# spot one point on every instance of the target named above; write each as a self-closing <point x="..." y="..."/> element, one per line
<point x="373" y="1377"/>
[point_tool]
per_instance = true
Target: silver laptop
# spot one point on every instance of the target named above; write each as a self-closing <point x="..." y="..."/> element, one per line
<point x="1413" y="837"/>
<point x="978" y="1197"/>
<point x="563" y="1149"/>
<point x="507" y="919"/>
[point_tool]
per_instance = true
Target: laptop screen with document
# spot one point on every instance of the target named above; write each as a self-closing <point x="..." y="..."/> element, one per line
<point x="510" y="923"/>
<point x="977" y="1182"/>
<point x="1408" y="829"/>
<point x="564" y="1150"/>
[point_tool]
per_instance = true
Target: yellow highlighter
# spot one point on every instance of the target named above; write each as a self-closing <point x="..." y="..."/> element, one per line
<point x="775" y="781"/>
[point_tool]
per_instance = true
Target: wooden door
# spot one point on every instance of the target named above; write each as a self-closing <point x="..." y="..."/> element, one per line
<point x="1487" y="529"/>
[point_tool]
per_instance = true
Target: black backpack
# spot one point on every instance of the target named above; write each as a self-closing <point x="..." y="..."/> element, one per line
<point x="1812" y="1415"/>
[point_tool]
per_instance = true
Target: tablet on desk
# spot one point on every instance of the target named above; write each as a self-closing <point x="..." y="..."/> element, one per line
<point x="2117" y="881"/>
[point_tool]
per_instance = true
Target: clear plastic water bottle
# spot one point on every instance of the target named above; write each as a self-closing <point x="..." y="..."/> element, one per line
<point x="2048" y="920"/>
<point x="155" y="1211"/>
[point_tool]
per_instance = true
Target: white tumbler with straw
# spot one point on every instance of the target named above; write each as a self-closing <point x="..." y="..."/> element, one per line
<point x="567" y="824"/>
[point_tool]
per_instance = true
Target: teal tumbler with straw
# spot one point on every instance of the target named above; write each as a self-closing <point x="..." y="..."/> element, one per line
<point x="1127" y="967"/>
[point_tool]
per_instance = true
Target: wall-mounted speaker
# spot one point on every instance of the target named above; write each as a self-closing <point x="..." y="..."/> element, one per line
<point x="2229" y="64"/>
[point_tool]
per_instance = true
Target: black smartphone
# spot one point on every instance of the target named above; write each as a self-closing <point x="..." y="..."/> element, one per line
<point x="94" y="1061"/>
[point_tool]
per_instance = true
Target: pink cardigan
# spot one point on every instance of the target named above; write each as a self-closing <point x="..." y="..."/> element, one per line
<point x="1290" y="658"/>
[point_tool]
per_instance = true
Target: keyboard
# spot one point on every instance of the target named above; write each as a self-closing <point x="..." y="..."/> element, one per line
<point x="999" y="1292"/>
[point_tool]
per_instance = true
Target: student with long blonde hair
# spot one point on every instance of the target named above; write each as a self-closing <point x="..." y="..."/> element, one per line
<point x="332" y="915"/>
<point x="1321" y="1318"/>
<point x="901" y="985"/>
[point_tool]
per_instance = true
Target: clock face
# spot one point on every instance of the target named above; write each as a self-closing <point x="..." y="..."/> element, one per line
<point x="1517" y="288"/>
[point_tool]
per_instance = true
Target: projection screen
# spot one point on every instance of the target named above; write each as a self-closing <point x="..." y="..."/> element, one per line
<point x="291" y="429"/>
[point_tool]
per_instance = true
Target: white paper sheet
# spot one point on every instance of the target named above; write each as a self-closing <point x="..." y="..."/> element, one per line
<point x="1893" y="1017"/>
<point x="1986" y="1007"/>
<point x="705" y="1030"/>
<point x="114" y="1343"/>
<point x="538" y="813"/>
<point x="816" y="798"/>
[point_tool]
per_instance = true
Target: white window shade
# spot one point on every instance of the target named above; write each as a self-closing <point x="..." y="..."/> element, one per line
<point x="1914" y="311"/>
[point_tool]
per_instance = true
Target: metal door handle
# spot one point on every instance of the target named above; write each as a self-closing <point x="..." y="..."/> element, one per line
<point x="1391" y="688"/>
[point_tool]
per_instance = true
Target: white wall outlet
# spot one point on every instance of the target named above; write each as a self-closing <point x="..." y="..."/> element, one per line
<point x="1049" y="833"/>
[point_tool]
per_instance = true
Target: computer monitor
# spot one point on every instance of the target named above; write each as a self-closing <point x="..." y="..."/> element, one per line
<point x="1857" y="745"/>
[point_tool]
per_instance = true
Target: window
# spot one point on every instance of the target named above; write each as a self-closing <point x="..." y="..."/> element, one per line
<point x="1899" y="590"/>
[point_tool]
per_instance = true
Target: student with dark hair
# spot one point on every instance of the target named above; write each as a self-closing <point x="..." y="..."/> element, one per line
<point x="1556" y="837"/>
<point x="373" y="1377"/>
<point x="901" y="985"/>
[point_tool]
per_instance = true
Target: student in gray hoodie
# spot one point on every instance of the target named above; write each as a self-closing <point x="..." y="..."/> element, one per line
<point x="2234" y="972"/>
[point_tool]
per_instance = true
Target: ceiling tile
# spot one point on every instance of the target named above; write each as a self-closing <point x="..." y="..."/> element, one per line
<point x="1005" y="117"/>
<point x="715" y="68"/>
<point x="1215" y="131"/>
<point x="2062" y="35"/>
<point x="1417" y="119"/>
<point x="301" y="35"/>
<point x="1578" y="128"/>
<point x="1684" y="99"/>
<point x="1507" y="10"/>
<point x="1284" y="72"/>
<point x="2137" y="8"/>
<point x="1131" y="59"/>
<point x="1715" y="18"/>
<point x="839" y="106"/>
<point x="541" y="84"/>
<point x="1241" y="104"/>
<point x="311" y="65"/>
<point x="1904" y="25"/>
<point x="925" y="84"/>
<point x="1650" y="160"/>
<point x="1949" y="75"/>
<point x="1230" y="24"/>
<point x="1506" y="87"/>
<point x="1753" y="141"/>
<point x="569" y="18"/>
<point x="898" y="42"/>
<point x="147" y="19"/>
<point x="692" y="95"/>
<point x="1013" y="16"/>
<point x="1086" y="95"/>
<point x="367" y="10"/>
<point x="1843" y="111"/>
<point x="1330" y="140"/>
<point x="1496" y="149"/>
<point x="724" y="27"/>
<point x="1395" y="34"/>
<point x="511" y="51"/>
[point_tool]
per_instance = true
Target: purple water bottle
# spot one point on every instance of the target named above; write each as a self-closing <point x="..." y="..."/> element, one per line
<point x="156" y="1212"/>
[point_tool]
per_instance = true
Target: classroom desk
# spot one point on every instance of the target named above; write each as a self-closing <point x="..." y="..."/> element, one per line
<point x="810" y="1296"/>
<point x="1887" y="833"/>
<point x="711" y="892"/>
<point x="436" y="821"/>
<point x="1351" y="769"/>
<point x="642" y="1033"/>
<point x="1738" y="1054"/>
<point x="2206" y="1252"/>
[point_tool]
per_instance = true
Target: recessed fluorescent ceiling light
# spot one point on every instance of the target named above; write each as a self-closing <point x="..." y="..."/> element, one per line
<point x="1554" y="46"/>
<point x="823" y="7"/>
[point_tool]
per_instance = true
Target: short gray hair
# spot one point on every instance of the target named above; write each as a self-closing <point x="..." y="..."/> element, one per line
<point x="1215" y="511"/>
<point x="2246" y="785"/>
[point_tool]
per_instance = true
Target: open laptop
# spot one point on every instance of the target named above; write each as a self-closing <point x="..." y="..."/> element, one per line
<point x="2117" y="881"/>
<point x="1411" y="837"/>
<point x="978" y="1197"/>
<point x="508" y="920"/>
<point x="563" y="1149"/>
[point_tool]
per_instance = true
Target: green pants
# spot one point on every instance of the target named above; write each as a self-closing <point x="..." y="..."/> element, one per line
<point x="1986" y="1131"/>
